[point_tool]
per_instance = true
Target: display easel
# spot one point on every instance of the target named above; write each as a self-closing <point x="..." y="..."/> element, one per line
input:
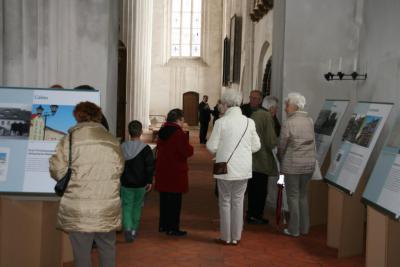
<point x="382" y="240"/>
<point x="28" y="235"/>
<point x="318" y="196"/>
<point x="346" y="213"/>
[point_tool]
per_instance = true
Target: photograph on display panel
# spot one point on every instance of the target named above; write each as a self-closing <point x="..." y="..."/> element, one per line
<point x="14" y="121"/>
<point x="361" y="129"/>
<point x="50" y="122"/>
<point x="326" y="122"/>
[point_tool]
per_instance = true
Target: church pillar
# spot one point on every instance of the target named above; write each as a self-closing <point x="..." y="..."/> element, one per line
<point x="12" y="41"/>
<point x="138" y="26"/>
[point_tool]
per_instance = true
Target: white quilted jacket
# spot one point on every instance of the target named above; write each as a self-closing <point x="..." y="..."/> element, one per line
<point x="226" y="134"/>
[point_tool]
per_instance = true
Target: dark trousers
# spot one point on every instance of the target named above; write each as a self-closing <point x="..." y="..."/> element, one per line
<point x="256" y="194"/>
<point x="170" y="210"/>
<point x="203" y="131"/>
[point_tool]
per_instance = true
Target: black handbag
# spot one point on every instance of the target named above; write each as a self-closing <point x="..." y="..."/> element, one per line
<point x="62" y="184"/>
<point x="222" y="167"/>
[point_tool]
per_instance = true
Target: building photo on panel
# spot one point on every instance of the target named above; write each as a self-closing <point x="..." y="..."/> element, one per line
<point x="14" y="121"/>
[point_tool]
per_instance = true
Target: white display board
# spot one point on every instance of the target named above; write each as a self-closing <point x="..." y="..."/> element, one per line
<point x="383" y="188"/>
<point x="358" y="141"/>
<point x="325" y="126"/>
<point x="32" y="121"/>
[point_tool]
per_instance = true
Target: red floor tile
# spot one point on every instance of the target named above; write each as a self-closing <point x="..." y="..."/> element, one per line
<point x="260" y="246"/>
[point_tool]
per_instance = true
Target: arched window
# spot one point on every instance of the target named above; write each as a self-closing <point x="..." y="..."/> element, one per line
<point x="186" y="28"/>
<point x="266" y="83"/>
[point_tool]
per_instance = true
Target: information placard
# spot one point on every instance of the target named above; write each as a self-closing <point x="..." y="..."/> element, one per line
<point x="383" y="188"/>
<point x="358" y="141"/>
<point x="326" y="125"/>
<point x="32" y="121"/>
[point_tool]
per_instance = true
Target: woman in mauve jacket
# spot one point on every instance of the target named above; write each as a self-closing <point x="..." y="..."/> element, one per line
<point x="90" y="209"/>
<point x="296" y="152"/>
<point x="171" y="178"/>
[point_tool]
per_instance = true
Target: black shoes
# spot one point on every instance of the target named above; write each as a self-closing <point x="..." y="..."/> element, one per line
<point x="258" y="221"/>
<point x="176" y="233"/>
<point x="161" y="230"/>
<point x="128" y="236"/>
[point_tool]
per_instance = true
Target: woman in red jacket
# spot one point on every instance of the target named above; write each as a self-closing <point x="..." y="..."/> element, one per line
<point x="171" y="180"/>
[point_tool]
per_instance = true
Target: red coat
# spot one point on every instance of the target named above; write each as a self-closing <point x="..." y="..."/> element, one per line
<point x="173" y="150"/>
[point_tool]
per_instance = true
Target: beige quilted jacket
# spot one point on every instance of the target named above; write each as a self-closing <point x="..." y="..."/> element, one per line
<point x="91" y="202"/>
<point x="296" y="150"/>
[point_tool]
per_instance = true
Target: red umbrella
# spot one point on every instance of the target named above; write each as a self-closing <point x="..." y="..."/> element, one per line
<point x="278" y="210"/>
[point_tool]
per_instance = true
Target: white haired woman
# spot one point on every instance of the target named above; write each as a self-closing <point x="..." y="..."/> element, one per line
<point x="296" y="152"/>
<point x="270" y="103"/>
<point x="233" y="139"/>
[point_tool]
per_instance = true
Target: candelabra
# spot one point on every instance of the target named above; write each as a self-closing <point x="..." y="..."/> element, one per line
<point x="341" y="76"/>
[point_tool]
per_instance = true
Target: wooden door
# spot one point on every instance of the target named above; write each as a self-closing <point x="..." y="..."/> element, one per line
<point x="190" y="108"/>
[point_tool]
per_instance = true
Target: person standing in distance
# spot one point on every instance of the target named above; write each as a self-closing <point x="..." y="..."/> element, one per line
<point x="204" y="118"/>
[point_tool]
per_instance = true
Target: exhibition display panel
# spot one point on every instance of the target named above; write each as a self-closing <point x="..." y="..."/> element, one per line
<point x="32" y="121"/>
<point x="383" y="188"/>
<point x="325" y="126"/>
<point x="358" y="141"/>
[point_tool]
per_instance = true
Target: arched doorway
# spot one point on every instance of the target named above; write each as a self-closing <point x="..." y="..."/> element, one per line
<point x="190" y="108"/>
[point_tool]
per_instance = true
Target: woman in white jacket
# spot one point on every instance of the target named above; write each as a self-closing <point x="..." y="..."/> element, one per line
<point x="233" y="138"/>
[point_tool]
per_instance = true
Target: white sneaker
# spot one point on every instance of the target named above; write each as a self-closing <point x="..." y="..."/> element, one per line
<point x="286" y="232"/>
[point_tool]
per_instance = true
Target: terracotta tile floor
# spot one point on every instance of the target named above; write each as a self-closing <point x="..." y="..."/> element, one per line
<point x="260" y="245"/>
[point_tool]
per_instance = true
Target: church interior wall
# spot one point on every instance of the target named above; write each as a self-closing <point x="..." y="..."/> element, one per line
<point x="61" y="42"/>
<point x="380" y="50"/>
<point x="255" y="36"/>
<point x="170" y="77"/>
<point x="316" y="31"/>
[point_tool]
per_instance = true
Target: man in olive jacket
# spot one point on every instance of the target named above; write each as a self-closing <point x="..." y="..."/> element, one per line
<point x="264" y="165"/>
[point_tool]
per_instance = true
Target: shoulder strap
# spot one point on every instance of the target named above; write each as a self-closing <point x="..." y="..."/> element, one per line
<point x="239" y="141"/>
<point x="70" y="150"/>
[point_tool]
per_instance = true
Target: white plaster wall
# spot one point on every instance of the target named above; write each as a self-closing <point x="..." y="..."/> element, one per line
<point x="380" y="49"/>
<point x="171" y="78"/>
<point x="316" y="31"/>
<point x="65" y="42"/>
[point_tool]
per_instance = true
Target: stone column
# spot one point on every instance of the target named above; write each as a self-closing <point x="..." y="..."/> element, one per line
<point x="138" y="27"/>
<point x="278" y="44"/>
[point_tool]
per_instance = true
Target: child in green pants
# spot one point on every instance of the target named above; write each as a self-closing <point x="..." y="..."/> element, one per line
<point x="136" y="179"/>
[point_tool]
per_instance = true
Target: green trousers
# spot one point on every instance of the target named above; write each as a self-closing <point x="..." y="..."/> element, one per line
<point x="132" y="202"/>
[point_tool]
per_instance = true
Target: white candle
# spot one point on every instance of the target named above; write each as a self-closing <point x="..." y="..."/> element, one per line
<point x="330" y="65"/>
<point x="355" y="64"/>
<point x="340" y="65"/>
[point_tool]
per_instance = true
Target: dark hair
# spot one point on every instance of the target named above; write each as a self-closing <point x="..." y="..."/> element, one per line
<point x="56" y="86"/>
<point x="174" y="115"/>
<point x="87" y="111"/>
<point x="135" y="128"/>
<point x="85" y="86"/>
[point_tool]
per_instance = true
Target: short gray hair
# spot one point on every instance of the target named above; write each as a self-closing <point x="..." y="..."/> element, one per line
<point x="269" y="102"/>
<point x="296" y="99"/>
<point x="232" y="98"/>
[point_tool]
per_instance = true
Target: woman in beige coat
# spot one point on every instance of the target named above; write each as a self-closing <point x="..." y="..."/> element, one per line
<point x="90" y="207"/>
<point x="296" y="152"/>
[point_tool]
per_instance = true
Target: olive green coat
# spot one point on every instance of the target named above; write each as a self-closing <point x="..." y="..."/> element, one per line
<point x="263" y="160"/>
